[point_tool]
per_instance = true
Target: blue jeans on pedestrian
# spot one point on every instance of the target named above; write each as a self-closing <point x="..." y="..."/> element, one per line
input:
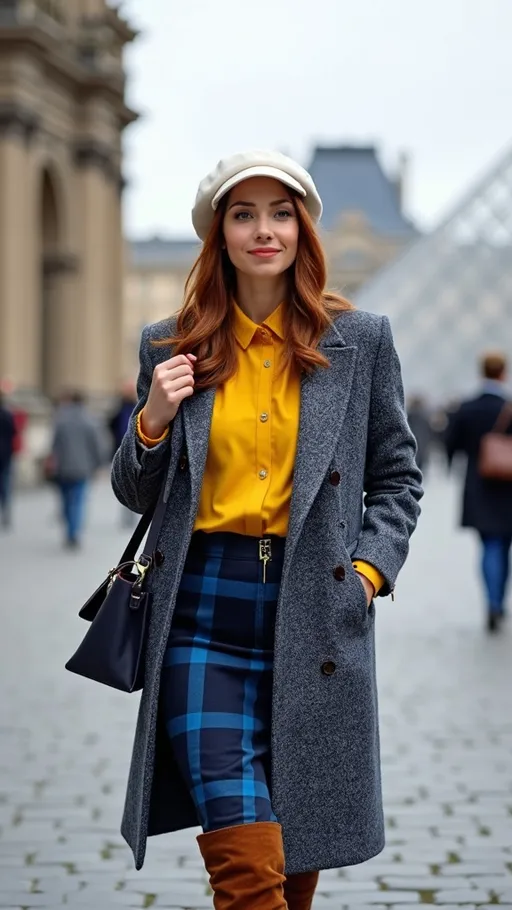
<point x="73" y="501"/>
<point x="495" y="569"/>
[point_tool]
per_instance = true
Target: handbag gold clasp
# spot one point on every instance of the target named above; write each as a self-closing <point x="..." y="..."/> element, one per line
<point x="142" y="569"/>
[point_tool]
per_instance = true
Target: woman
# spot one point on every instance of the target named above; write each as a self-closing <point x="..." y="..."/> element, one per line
<point x="265" y="409"/>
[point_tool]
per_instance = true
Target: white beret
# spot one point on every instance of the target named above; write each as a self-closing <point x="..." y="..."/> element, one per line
<point x="258" y="163"/>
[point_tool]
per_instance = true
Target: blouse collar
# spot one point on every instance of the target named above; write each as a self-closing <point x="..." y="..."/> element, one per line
<point x="245" y="328"/>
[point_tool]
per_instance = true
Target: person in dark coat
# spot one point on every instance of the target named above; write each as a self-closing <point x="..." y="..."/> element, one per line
<point x="7" y="446"/>
<point x="265" y="410"/>
<point x="118" y="424"/>
<point x="486" y="504"/>
<point x="119" y="420"/>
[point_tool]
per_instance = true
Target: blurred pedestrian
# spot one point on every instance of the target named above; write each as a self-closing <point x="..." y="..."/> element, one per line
<point x="419" y="422"/>
<point x="77" y="453"/>
<point x="7" y="448"/>
<point x="439" y="419"/>
<point x="283" y="400"/>
<point x="119" y="420"/>
<point x="20" y="423"/>
<point x="118" y="424"/>
<point x="487" y="503"/>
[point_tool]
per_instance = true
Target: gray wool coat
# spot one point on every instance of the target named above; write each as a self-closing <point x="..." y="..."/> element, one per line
<point x="326" y="782"/>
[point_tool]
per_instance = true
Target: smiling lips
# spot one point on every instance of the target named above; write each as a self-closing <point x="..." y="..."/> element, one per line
<point x="266" y="252"/>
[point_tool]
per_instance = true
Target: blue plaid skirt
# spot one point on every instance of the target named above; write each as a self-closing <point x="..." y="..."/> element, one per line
<point x="216" y="686"/>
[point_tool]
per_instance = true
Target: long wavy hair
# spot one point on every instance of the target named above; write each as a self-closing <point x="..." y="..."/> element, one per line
<point x="205" y="321"/>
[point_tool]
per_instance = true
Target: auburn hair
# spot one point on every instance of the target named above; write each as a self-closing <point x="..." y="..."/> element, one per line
<point x="205" y="321"/>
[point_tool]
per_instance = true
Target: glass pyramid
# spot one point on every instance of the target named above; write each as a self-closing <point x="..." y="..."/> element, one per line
<point x="449" y="295"/>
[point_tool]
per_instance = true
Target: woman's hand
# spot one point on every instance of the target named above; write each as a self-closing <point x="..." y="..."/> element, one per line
<point x="368" y="588"/>
<point x="172" y="381"/>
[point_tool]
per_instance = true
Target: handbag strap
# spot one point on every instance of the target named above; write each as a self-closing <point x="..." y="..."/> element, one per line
<point x="153" y="519"/>
<point x="504" y="419"/>
<point x="156" y="524"/>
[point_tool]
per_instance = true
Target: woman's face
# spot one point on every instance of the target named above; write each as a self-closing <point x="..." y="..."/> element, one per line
<point x="261" y="229"/>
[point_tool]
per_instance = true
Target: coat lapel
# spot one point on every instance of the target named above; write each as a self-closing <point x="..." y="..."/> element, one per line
<point x="197" y="418"/>
<point x="324" y="399"/>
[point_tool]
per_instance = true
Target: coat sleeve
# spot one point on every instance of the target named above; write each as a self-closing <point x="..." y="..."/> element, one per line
<point x="138" y="472"/>
<point x="454" y="435"/>
<point x="392" y="482"/>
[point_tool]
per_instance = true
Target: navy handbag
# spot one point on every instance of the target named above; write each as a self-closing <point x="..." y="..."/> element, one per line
<point x="113" y="649"/>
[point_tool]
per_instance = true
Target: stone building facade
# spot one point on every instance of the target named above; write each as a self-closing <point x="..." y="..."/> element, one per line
<point x="363" y="228"/>
<point x="62" y="115"/>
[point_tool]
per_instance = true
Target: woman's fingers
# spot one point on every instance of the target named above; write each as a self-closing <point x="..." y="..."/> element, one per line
<point x="187" y="360"/>
<point x="176" y="372"/>
<point x="176" y="383"/>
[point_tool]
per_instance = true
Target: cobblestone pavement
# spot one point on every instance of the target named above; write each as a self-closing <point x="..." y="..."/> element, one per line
<point x="445" y="691"/>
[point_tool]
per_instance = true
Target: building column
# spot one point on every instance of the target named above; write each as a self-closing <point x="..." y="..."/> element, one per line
<point x="116" y="283"/>
<point x="99" y="279"/>
<point x="17" y="330"/>
<point x="62" y="343"/>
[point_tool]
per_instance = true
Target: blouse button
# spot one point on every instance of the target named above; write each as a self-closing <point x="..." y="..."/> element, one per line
<point x="263" y="417"/>
<point x="267" y="364"/>
<point x="263" y="475"/>
<point x="339" y="573"/>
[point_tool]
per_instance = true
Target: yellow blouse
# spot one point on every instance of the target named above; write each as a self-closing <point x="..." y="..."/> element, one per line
<point x="247" y="483"/>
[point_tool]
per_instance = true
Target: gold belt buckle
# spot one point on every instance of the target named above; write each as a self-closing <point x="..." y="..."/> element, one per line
<point x="265" y="550"/>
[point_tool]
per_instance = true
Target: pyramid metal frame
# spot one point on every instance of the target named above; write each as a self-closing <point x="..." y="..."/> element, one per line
<point x="449" y="295"/>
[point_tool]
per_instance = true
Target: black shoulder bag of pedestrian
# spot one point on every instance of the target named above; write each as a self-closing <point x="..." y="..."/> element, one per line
<point x="495" y="456"/>
<point x="113" y="650"/>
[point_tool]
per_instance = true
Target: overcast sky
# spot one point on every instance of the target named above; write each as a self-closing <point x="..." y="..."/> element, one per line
<point x="212" y="77"/>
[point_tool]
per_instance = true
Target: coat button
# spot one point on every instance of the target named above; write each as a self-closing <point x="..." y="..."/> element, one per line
<point x="334" y="478"/>
<point x="159" y="557"/>
<point x="183" y="462"/>
<point x="328" y="668"/>
<point x="339" y="573"/>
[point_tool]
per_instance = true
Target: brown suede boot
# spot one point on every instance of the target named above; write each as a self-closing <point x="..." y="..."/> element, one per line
<point x="246" y="866"/>
<point x="299" y="890"/>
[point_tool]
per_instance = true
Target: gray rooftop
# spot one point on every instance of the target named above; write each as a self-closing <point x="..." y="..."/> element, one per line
<point x="163" y="252"/>
<point x="351" y="178"/>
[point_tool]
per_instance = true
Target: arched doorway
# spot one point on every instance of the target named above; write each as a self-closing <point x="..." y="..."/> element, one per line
<point x="50" y="270"/>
